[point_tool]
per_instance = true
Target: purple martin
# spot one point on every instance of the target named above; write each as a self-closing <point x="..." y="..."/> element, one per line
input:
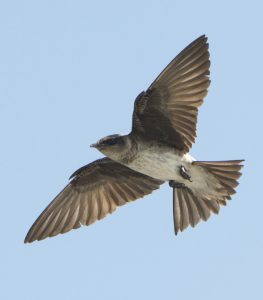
<point x="154" y="152"/>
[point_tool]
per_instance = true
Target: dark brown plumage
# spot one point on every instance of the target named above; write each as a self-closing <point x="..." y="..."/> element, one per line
<point x="167" y="111"/>
<point x="95" y="191"/>
<point x="156" y="150"/>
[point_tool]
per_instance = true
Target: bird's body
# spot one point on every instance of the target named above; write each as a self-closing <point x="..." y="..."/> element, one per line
<point x="155" y="151"/>
<point x="158" y="161"/>
<point x="164" y="163"/>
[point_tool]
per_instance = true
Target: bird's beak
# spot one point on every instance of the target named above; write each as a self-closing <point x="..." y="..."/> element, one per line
<point x="93" y="145"/>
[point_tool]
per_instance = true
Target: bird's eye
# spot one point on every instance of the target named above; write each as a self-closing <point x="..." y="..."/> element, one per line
<point x="111" y="142"/>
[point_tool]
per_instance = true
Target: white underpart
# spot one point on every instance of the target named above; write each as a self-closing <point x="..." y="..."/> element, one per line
<point x="165" y="165"/>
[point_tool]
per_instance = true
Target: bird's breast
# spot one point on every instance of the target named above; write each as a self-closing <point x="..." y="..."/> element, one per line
<point x="160" y="163"/>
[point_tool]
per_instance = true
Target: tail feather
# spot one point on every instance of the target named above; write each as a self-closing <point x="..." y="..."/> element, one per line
<point x="190" y="207"/>
<point x="226" y="172"/>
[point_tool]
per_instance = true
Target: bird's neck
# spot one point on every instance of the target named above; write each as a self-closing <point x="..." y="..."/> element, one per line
<point x="131" y="149"/>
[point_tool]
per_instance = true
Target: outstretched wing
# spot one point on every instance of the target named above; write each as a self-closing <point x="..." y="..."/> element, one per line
<point x="167" y="111"/>
<point x="95" y="190"/>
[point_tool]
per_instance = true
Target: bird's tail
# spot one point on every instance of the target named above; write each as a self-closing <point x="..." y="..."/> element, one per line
<point x="215" y="184"/>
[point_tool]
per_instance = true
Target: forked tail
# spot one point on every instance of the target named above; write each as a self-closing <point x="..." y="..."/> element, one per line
<point x="190" y="205"/>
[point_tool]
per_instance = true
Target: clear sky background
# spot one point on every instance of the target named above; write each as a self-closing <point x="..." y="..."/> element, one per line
<point x="69" y="73"/>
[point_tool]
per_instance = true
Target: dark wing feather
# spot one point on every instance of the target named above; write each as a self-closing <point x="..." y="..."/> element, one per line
<point x="95" y="191"/>
<point x="167" y="111"/>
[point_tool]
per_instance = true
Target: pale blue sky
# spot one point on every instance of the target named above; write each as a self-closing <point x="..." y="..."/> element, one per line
<point x="69" y="73"/>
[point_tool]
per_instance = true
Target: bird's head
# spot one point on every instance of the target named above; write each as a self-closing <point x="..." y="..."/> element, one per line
<point x="113" y="146"/>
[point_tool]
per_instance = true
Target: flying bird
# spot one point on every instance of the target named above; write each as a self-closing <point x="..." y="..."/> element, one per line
<point x="154" y="152"/>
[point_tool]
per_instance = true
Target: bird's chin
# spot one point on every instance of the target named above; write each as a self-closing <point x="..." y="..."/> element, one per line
<point x="102" y="150"/>
<point x="109" y="154"/>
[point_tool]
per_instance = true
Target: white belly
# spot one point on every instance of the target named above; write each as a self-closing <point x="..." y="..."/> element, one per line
<point x="164" y="166"/>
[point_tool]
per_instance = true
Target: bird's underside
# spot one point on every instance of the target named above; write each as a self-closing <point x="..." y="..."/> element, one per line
<point x="191" y="205"/>
<point x="199" y="188"/>
<point x="155" y="151"/>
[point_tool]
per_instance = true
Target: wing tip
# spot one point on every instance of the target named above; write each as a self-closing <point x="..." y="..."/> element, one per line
<point x="202" y="38"/>
<point x="31" y="237"/>
<point x="28" y="240"/>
